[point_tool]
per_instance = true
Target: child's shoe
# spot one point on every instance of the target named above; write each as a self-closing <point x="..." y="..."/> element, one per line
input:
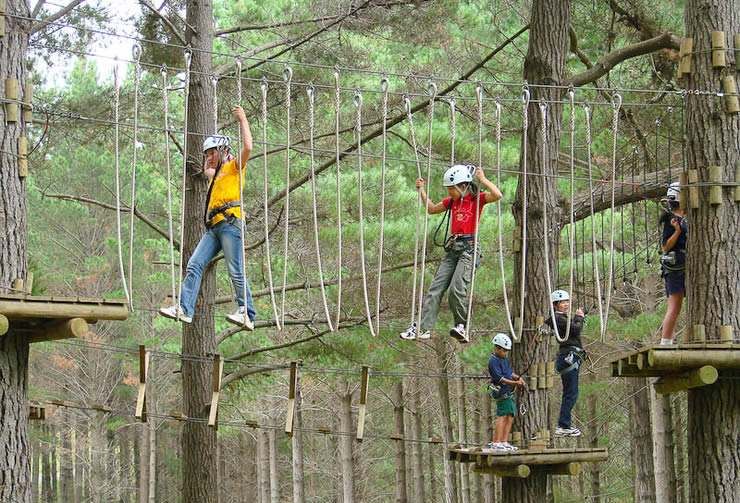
<point x="510" y="447"/>
<point x="425" y="335"/>
<point x="240" y="318"/>
<point x="410" y="333"/>
<point x="567" y="432"/>
<point x="175" y="313"/>
<point x="458" y="332"/>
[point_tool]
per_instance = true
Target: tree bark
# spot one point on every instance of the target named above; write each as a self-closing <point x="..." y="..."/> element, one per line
<point x="462" y="426"/>
<point x="297" y="446"/>
<point x="45" y="465"/>
<point x="642" y="442"/>
<point x="15" y="466"/>
<point x="345" y="448"/>
<point x="444" y="355"/>
<point x="712" y="268"/>
<point x="432" y="470"/>
<point x="67" y="458"/>
<point x="544" y="64"/>
<point x="489" y="489"/>
<point x="680" y="452"/>
<point x="263" y="454"/>
<point x="200" y="448"/>
<point x="594" y="443"/>
<point x="416" y="429"/>
<point x="665" y="473"/>
<point x="398" y="415"/>
<point x="274" y="473"/>
<point x="152" y="461"/>
<point x="143" y="461"/>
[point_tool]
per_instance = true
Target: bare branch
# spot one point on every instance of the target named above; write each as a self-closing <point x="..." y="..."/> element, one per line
<point x="37" y="8"/>
<point x="171" y="27"/>
<point x="40" y="25"/>
<point x="256" y="27"/>
<point x="241" y="374"/>
<point x="609" y="61"/>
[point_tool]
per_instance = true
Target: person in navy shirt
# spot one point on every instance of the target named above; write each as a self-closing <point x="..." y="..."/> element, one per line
<point x="503" y="382"/>
<point x="673" y="260"/>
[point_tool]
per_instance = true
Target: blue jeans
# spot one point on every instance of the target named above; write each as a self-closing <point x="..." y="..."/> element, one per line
<point x="226" y="236"/>
<point x="570" y="389"/>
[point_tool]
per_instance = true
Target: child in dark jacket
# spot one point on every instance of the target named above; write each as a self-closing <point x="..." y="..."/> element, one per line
<point x="503" y="381"/>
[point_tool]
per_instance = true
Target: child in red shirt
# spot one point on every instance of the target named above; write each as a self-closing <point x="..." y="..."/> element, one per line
<point x="464" y="202"/>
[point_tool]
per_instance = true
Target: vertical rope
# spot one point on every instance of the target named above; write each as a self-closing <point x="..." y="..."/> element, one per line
<point x="545" y="221"/>
<point x="571" y="241"/>
<point x="616" y="105"/>
<point x="525" y="127"/>
<point x="358" y="131"/>
<point x="337" y="158"/>
<point x="170" y="224"/>
<point x="432" y="91"/>
<point x="633" y="215"/>
<point x="453" y="129"/>
<point x="287" y="78"/>
<point x="265" y="193"/>
<point x="311" y="92"/>
<point x="188" y="61"/>
<point x="479" y="102"/>
<point x="116" y="107"/>
<point x="381" y="239"/>
<point x="412" y="132"/>
<point x="137" y="77"/>
<point x="501" y="225"/>
<point x="594" y="262"/>
<point x="240" y="171"/>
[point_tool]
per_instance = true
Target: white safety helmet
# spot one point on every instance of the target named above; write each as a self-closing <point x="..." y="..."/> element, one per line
<point x="502" y="340"/>
<point x="459" y="173"/>
<point x="673" y="192"/>
<point x="215" y="141"/>
<point x="559" y="295"/>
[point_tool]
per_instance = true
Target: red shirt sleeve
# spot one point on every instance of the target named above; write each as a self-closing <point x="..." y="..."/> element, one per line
<point x="446" y="202"/>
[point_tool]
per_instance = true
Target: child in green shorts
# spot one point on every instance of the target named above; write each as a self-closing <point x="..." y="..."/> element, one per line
<point x="503" y="381"/>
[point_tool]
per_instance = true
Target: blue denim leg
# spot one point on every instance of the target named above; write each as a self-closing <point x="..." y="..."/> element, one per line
<point x="570" y="391"/>
<point x="230" y="237"/>
<point x="207" y="248"/>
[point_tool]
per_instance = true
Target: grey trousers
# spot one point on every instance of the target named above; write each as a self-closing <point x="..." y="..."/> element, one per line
<point x="454" y="273"/>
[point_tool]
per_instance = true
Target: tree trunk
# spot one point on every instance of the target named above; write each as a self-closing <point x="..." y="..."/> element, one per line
<point x="143" y="461"/>
<point x="665" y="471"/>
<point x="712" y="268"/>
<point x="416" y="447"/>
<point x="462" y="426"/>
<point x="67" y="457"/>
<point x="680" y="437"/>
<point x="594" y="443"/>
<point x="642" y="442"/>
<point x="274" y="479"/>
<point x="443" y="358"/>
<point x="200" y="448"/>
<point x="486" y="429"/>
<point x="345" y="448"/>
<point x="297" y="446"/>
<point x="544" y="64"/>
<point x="15" y="467"/>
<point x="398" y="414"/>
<point x="263" y="454"/>
<point x="432" y="470"/>
<point x="152" y="461"/>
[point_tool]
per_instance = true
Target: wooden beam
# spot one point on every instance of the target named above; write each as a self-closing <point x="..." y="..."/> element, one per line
<point x="143" y="371"/>
<point x="26" y="307"/>
<point x="4" y="325"/>
<point x="570" y="469"/>
<point x="544" y="457"/>
<point x="696" y="378"/>
<point x="218" y="372"/>
<point x="679" y="360"/>
<point x="514" y="471"/>
<point x="364" y="383"/>
<point x="68" y="329"/>
<point x="292" y="385"/>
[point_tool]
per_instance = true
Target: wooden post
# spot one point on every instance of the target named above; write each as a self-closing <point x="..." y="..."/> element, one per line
<point x="28" y="103"/>
<point x="17" y="285"/>
<point x="534" y="373"/>
<point x="22" y="156"/>
<point x="29" y="282"/>
<point x="729" y="86"/>
<point x="4" y="325"/>
<point x="685" y="55"/>
<point x="11" y="94"/>
<point x="218" y="372"/>
<point x="683" y="195"/>
<point x="725" y="334"/>
<point x="571" y="469"/>
<point x="715" y="190"/>
<point x="66" y="329"/>
<point x="677" y="360"/>
<point x="737" y="181"/>
<point x="516" y="439"/>
<point x="693" y="189"/>
<point x="542" y="375"/>
<point x="550" y="374"/>
<point x="718" y="49"/>
<point x="292" y="383"/>
<point x="518" y="325"/>
<point x="693" y="379"/>
<point x="362" y="410"/>
<point x="514" y="471"/>
<point x="143" y="371"/>
<point x="699" y="333"/>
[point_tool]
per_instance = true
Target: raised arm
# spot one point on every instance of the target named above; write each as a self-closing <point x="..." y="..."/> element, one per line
<point x="493" y="193"/>
<point x="671" y="241"/>
<point x="431" y="206"/>
<point x="244" y="132"/>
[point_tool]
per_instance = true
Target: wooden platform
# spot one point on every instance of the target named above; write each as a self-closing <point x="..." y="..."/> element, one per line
<point x="520" y="463"/>
<point x="46" y="318"/>
<point x="679" y="366"/>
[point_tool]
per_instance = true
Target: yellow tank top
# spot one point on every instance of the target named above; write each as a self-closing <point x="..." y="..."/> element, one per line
<point x="225" y="190"/>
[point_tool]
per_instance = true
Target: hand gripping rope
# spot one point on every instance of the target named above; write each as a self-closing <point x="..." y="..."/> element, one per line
<point x="358" y="131"/>
<point x="311" y="92"/>
<point x="266" y="192"/>
<point x="513" y="333"/>
<point x="381" y="238"/>
<point x="137" y="78"/>
<point x="287" y="78"/>
<point x="432" y="92"/>
<point x="188" y="61"/>
<point x="239" y="168"/>
<point x="170" y="226"/>
<point x="116" y="106"/>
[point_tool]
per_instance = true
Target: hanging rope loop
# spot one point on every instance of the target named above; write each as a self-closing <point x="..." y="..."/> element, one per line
<point x="616" y="101"/>
<point x="357" y="99"/>
<point x="310" y="91"/>
<point x="432" y="89"/>
<point x="188" y="55"/>
<point x="136" y="52"/>
<point x="525" y="94"/>
<point x="287" y="74"/>
<point x="384" y="84"/>
<point x="407" y="104"/>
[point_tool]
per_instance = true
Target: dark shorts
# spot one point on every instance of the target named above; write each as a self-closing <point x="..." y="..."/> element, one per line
<point x="506" y="407"/>
<point x="674" y="283"/>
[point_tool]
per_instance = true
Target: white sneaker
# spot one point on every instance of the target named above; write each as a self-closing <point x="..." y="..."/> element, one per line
<point x="240" y="318"/>
<point x="410" y="333"/>
<point x="567" y="432"/>
<point x="497" y="446"/>
<point x="458" y="332"/>
<point x="425" y="335"/>
<point x="175" y="313"/>
<point x="666" y="342"/>
<point x="510" y="447"/>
